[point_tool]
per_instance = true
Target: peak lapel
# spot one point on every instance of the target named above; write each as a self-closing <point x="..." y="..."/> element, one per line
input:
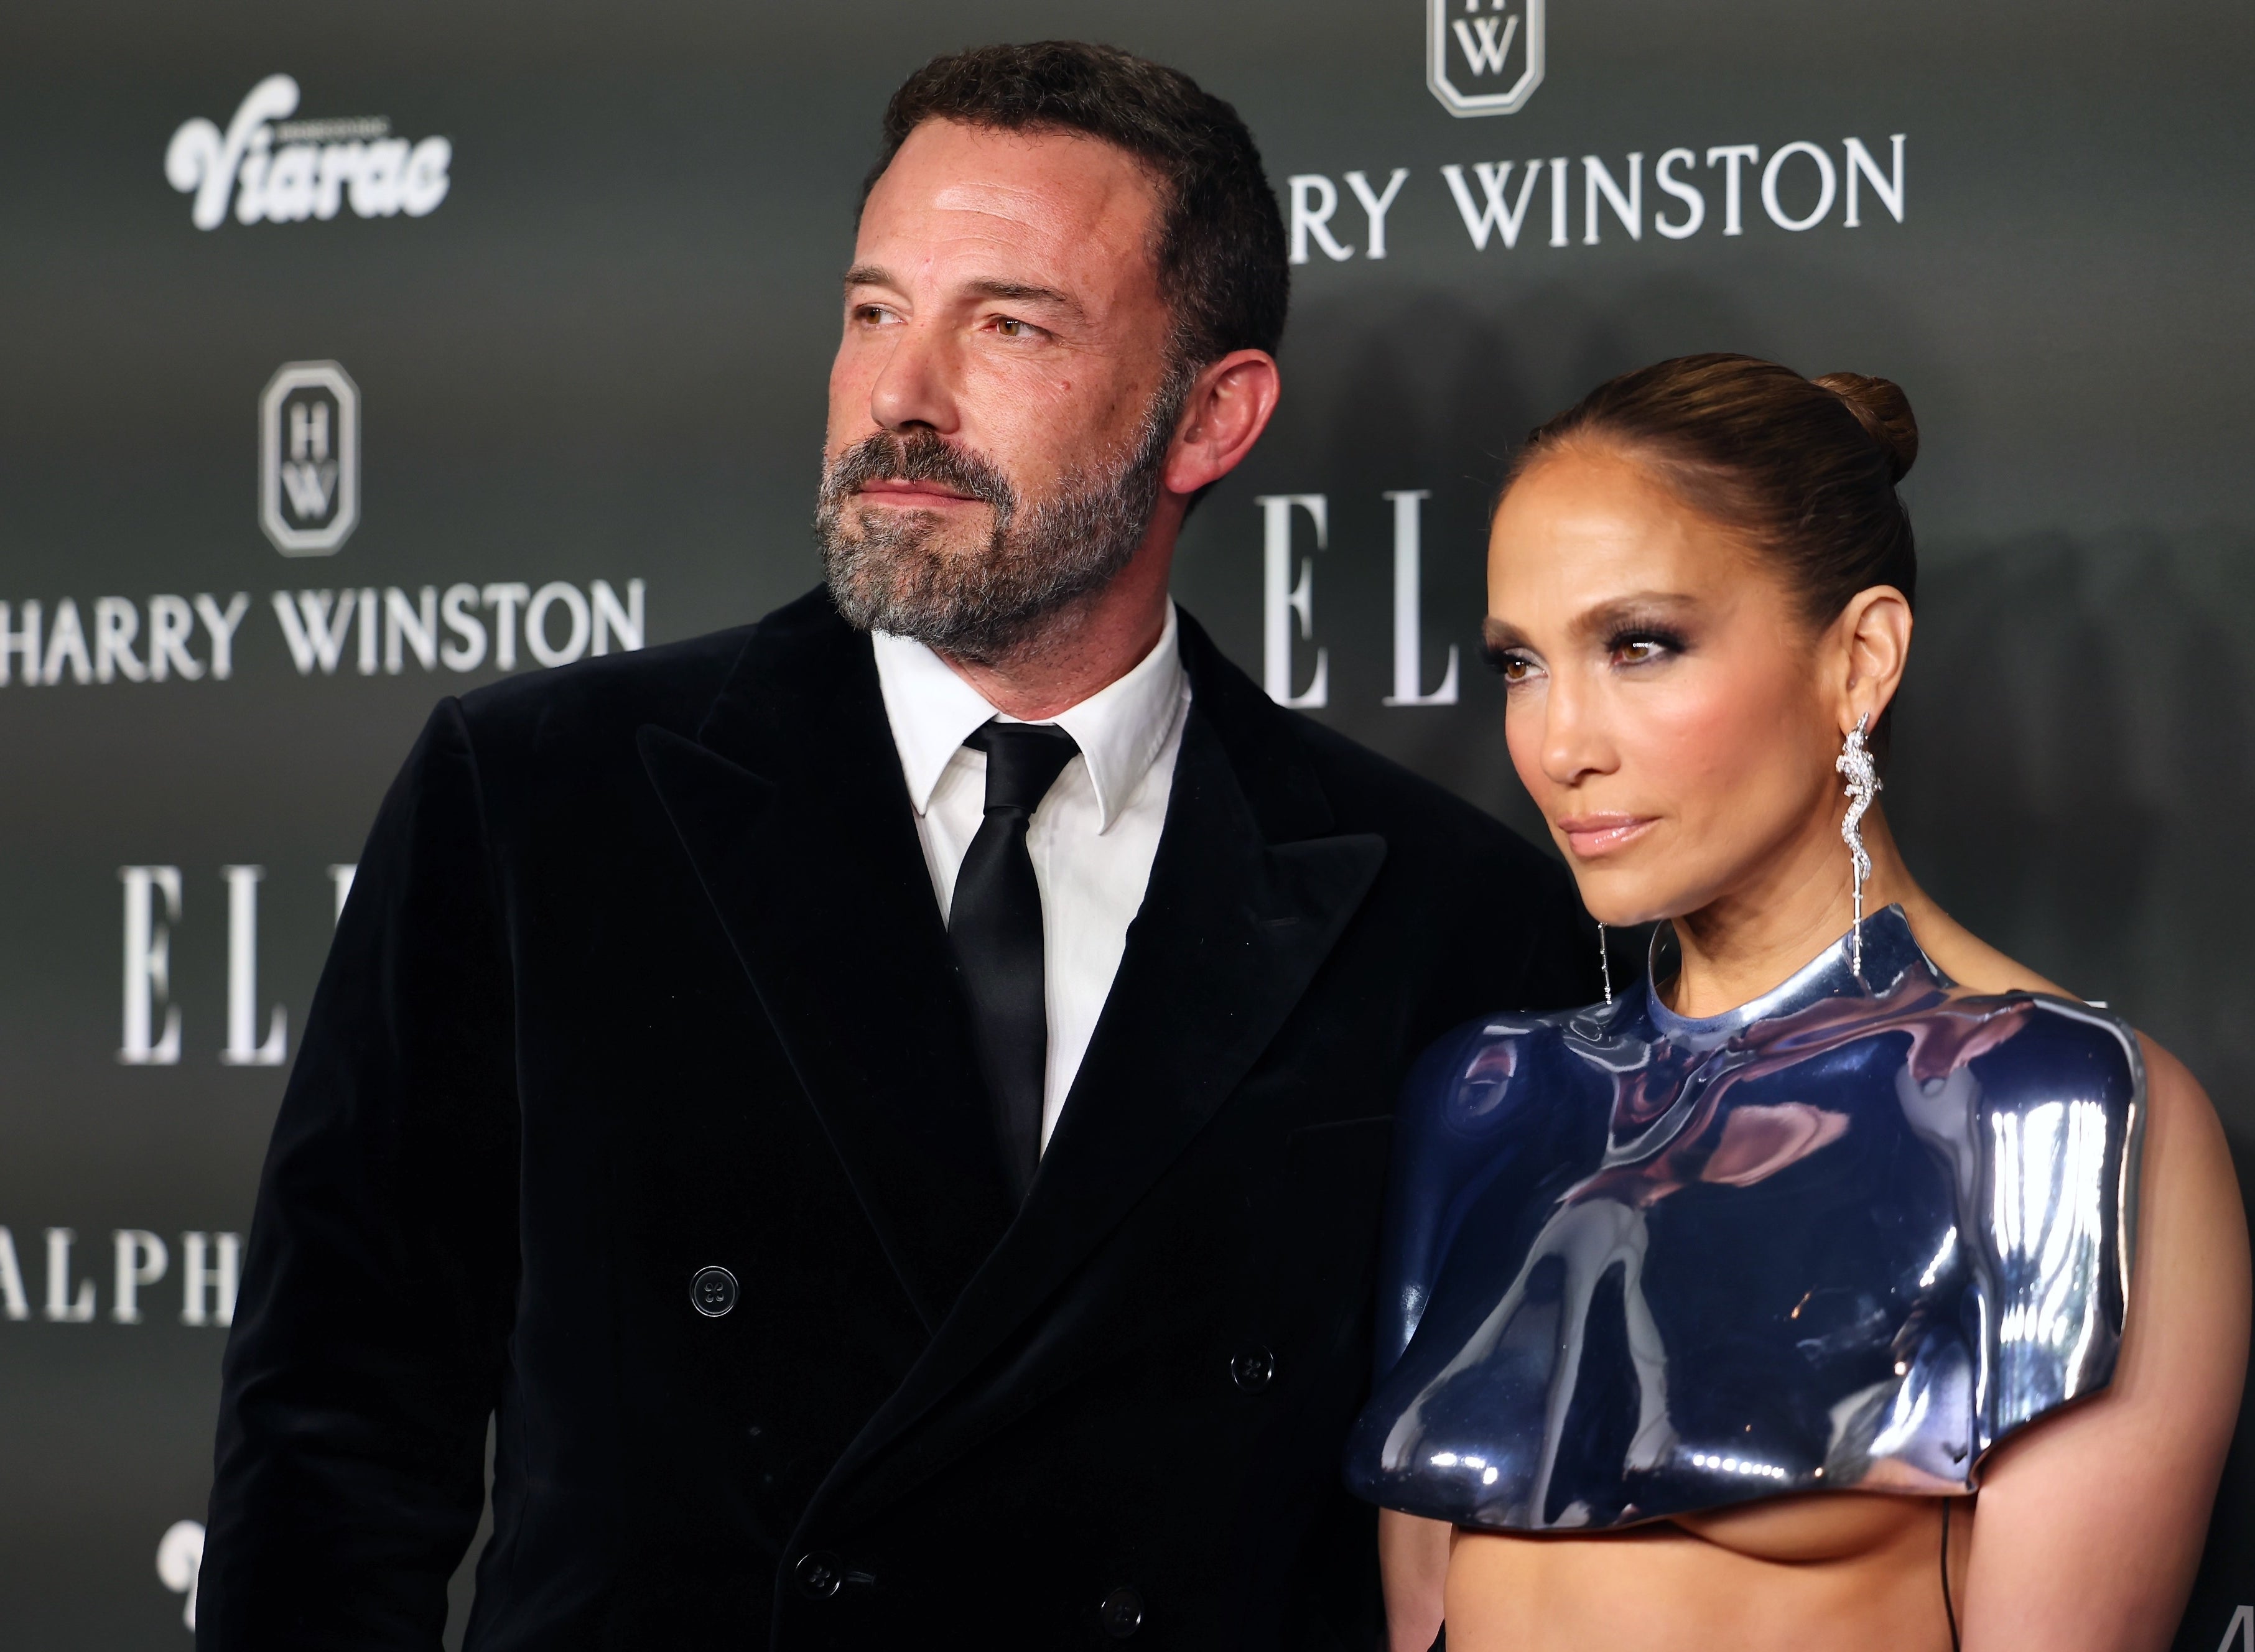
<point x="790" y="804"/>
<point x="1233" y="930"/>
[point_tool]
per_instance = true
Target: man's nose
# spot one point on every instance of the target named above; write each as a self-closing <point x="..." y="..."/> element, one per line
<point x="917" y="383"/>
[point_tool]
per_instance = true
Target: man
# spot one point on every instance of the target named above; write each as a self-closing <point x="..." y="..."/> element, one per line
<point x="889" y="1127"/>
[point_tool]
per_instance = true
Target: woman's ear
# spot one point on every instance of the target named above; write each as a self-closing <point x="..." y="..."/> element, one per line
<point x="1874" y="632"/>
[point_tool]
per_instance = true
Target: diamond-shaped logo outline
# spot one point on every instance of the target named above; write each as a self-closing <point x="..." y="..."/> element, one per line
<point x="289" y="540"/>
<point x="1466" y="104"/>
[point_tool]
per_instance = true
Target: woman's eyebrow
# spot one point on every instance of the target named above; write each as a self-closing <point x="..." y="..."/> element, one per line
<point x="1498" y="634"/>
<point x="1640" y="607"/>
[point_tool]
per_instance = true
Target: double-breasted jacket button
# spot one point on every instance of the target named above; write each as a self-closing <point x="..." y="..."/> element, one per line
<point x="820" y="1575"/>
<point x="712" y="1292"/>
<point x="1121" y="1613"/>
<point x="1253" y="1369"/>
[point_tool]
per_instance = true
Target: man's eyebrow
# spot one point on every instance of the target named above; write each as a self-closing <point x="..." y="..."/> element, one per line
<point x="870" y="275"/>
<point x="1026" y="292"/>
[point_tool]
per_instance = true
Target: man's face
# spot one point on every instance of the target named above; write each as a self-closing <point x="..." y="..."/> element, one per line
<point x="1002" y="400"/>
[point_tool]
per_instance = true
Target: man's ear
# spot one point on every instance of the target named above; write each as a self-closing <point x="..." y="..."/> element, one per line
<point x="1229" y="405"/>
<point x="1874" y="634"/>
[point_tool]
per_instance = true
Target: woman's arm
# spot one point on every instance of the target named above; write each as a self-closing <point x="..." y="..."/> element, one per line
<point x="1413" y="1557"/>
<point x="2090" y="1524"/>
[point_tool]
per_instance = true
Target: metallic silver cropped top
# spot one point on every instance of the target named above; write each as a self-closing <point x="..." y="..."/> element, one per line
<point x="1846" y="1237"/>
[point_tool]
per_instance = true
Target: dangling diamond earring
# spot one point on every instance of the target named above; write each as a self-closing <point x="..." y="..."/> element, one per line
<point x="1855" y="762"/>
<point x="1605" y="963"/>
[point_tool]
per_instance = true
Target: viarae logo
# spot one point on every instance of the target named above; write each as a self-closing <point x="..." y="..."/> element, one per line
<point x="309" y="457"/>
<point x="283" y="172"/>
<point x="1483" y="57"/>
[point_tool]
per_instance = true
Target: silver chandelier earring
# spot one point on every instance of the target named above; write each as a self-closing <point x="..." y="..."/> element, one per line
<point x="1604" y="963"/>
<point x="1855" y="762"/>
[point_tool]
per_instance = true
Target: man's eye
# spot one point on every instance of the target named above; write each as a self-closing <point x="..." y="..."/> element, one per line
<point x="1011" y="327"/>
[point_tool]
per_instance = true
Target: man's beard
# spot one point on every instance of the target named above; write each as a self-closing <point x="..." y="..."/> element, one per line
<point x="889" y="572"/>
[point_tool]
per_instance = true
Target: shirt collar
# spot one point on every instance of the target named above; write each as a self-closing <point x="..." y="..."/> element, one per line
<point x="1120" y="729"/>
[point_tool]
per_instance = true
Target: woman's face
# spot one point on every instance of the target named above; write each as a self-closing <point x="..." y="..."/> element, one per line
<point x="1665" y="705"/>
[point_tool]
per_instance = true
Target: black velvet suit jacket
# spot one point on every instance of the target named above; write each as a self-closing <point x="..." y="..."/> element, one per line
<point x="642" y="973"/>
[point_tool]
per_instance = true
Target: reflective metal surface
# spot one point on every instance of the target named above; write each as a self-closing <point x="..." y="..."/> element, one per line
<point x="1847" y="1236"/>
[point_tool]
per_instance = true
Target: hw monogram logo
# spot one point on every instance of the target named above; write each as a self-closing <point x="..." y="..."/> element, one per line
<point x="309" y="459"/>
<point x="1483" y="57"/>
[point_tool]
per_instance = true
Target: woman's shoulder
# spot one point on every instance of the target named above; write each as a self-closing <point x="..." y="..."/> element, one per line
<point x="2188" y="1201"/>
<point x="1491" y="1045"/>
<point x="2087" y="1030"/>
<point x="1477" y="1078"/>
<point x="1970" y="962"/>
<point x="2165" y="1084"/>
<point x="2188" y="1158"/>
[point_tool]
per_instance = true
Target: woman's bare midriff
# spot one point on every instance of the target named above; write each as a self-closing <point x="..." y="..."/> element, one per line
<point x="1846" y="1571"/>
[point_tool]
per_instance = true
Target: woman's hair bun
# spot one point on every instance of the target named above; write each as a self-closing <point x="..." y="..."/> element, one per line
<point x="1756" y="447"/>
<point x="1884" y="411"/>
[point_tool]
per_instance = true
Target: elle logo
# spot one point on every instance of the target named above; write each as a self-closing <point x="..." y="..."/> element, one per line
<point x="2239" y="1634"/>
<point x="1483" y="57"/>
<point x="180" y="1563"/>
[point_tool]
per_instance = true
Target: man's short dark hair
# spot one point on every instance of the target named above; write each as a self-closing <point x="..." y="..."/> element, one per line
<point x="1220" y="251"/>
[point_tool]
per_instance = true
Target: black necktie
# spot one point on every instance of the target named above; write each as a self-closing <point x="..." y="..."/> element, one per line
<point x="995" y="922"/>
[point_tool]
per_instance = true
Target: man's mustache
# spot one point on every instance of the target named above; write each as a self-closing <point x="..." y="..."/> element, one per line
<point x="920" y="456"/>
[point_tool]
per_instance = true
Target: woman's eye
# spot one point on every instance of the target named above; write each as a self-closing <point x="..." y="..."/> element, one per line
<point x="1512" y="665"/>
<point x="1640" y="650"/>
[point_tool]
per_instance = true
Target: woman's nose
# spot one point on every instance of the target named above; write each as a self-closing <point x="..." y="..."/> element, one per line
<point x="1574" y="742"/>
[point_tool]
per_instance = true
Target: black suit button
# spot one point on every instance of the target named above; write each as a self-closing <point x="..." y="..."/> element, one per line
<point x="1253" y="1369"/>
<point x="820" y="1575"/>
<point x="1122" y="1615"/>
<point x="712" y="1292"/>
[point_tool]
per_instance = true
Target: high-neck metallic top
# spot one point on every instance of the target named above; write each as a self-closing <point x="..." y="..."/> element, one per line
<point x="1846" y="1237"/>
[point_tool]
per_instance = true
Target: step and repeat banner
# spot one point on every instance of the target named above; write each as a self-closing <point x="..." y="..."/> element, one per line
<point x="353" y="356"/>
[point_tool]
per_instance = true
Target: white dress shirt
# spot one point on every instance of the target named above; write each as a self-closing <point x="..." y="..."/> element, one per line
<point x="1092" y="840"/>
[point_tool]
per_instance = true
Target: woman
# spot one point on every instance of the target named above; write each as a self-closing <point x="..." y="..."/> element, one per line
<point x="1853" y="1286"/>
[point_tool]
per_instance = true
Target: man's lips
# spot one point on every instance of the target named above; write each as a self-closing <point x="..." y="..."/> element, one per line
<point x="1589" y="836"/>
<point x="916" y="494"/>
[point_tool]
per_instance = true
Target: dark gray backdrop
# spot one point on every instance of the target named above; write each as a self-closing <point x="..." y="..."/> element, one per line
<point x="601" y="357"/>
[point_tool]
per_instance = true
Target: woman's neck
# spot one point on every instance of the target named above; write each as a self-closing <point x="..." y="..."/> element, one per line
<point x="1739" y="947"/>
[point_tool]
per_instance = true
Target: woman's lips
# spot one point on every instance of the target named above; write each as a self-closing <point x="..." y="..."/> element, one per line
<point x="1590" y="835"/>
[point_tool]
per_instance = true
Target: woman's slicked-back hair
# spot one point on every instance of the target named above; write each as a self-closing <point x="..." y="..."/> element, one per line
<point x="1220" y="250"/>
<point x="1805" y="469"/>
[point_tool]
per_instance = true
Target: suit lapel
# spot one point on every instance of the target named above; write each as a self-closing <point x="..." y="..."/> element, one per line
<point x="791" y="806"/>
<point x="1233" y="929"/>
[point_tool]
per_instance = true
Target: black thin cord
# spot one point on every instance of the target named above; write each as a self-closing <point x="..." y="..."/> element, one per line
<point x="1949" y="1610"/>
